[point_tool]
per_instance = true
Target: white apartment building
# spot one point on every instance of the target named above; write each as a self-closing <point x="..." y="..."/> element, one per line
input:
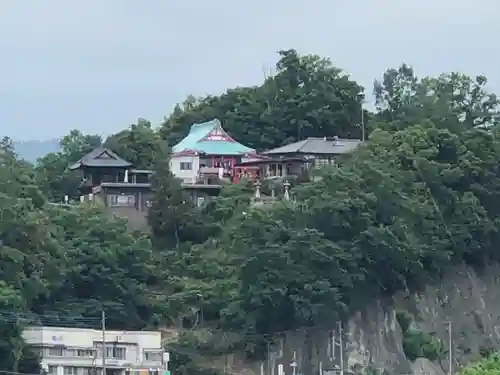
<point x="75" y="351"/>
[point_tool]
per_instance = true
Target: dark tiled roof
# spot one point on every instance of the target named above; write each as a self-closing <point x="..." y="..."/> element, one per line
<point x="272" y="159"/>
<point x="332" y="146"/>
<point x="101" y="157"/>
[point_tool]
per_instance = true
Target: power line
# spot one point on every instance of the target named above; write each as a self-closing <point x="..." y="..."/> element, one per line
<point x="78" y="321"/>
<point x="17" y="373"/>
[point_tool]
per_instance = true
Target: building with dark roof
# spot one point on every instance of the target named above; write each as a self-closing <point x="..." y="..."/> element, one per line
<point x="296" y="158"/>
<point x="101" y="158"/>
<point x="114" y="183"/>
<point x="317" y="146"/>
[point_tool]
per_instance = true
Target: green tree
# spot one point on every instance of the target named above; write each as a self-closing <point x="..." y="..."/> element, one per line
<point x="105" y="267"/>
<point x="138" y="144"/>
<point x="52" y="174"/>
<point x="173" y="217"/>
<point x="306" y="97"/>
<point x="454" y="101"/>
<point x="11" y="344"/>
<point x="487" y="366"/>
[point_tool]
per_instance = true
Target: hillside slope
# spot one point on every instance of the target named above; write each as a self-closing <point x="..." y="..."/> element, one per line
<point x="376" y="340"/>
<point x="32" y="150"/>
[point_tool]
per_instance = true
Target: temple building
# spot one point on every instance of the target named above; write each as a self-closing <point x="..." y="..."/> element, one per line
<point x="295" y="159"/>
<point x="123" y="190"/>
<point x="207" y="154"/>
<point x="204" y="159"/>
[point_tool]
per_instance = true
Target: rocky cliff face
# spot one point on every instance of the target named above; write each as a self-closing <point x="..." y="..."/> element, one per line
<point x="373" y="338"/>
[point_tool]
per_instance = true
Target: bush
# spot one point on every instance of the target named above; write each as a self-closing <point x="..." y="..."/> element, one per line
<point x="487" y="366"/>
<point x="417" y="344"/>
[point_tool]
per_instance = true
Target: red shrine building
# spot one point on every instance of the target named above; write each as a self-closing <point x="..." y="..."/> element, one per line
<point x="207" y="154"/>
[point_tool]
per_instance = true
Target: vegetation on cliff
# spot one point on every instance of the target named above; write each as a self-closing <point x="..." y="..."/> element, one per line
<point x="487" y="366"/>
<point x="421" y="195"/>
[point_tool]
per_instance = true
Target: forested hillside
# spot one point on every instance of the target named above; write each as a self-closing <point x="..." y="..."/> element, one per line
<point x="421" y="195"/>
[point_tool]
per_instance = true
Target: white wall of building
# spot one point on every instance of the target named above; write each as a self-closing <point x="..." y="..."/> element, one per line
<point x="188" y="176"/>
<point x="81" y="348"/>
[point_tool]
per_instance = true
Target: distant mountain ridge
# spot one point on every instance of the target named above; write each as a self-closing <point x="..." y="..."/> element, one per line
<point x="32" y="150"/>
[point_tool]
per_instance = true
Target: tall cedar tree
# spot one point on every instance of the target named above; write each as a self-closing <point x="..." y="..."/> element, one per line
<point x="173" y="217"/>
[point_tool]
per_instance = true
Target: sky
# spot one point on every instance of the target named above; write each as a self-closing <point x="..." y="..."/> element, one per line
<point x="99" y="65"/>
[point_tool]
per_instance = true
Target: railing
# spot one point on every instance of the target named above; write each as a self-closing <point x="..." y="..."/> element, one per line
<point x="263" y="201"/>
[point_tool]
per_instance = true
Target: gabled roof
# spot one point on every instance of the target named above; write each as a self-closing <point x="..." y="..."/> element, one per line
<point x="330" y="146"/>
<point x="211" y="139"/>
<point x="101" y="157"/>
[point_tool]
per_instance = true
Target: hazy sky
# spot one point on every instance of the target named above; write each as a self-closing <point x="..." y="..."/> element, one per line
<point x="98" y="65"/>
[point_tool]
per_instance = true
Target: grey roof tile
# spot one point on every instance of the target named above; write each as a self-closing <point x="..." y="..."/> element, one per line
<point x="101" y="157"/>
<point x="332" y="146"/>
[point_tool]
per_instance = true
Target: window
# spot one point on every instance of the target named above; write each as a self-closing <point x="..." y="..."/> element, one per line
<point x="115" y="200"/>
<point x="56" y="351"/>
<point x="86" y="353"/>
<point x="200" y="201"/>
<point x="86" y="371"/>
<point x="142" y="178"/>
<point x="280" y="170"/>
<point x="52" y="370"/>
<point x="321" y="162"/>
<point x="186" y="166"/>
<point x="115" y="352"/>
<point x="153" y="356"/>
<point x="280" y="348"/>
<point x="70" y="370"/>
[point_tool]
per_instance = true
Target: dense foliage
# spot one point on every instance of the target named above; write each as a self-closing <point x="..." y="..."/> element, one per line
<point x="487" y="366"/>
<point x="421" y="195"/>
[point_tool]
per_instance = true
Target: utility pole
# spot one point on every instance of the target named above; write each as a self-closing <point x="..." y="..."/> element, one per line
<point x="340" y="344"/>
<point x="450" y="350"/>
<point x="294" y="364"/>
<point x="341" y="347"/>
<point x="103" y="322"/>
<point x="362" y="123"/>
<point x="361" y="98"/>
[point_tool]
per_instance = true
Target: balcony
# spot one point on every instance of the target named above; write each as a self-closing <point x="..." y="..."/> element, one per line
<point x="61" y="355"/>
<point x="154" y="358"/>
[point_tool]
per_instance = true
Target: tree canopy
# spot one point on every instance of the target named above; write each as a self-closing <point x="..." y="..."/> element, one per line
<point x="306" y="97"/>
<point x="487" y="366"/>
<point x="421" y="195"/>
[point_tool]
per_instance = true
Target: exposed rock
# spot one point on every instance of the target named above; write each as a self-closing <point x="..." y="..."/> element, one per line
<point x="373" y="338"/>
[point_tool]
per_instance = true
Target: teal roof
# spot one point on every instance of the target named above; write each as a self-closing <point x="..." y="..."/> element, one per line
<point x="195" y="141"/>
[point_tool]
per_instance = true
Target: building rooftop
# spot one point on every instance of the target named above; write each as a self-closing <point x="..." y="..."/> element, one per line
<point x="101" y="158"/>
<point x="210" y="138"/>
<point x="271" y="159"/>
<point x="331" y="146"/>
<point x="84" y="336"/>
